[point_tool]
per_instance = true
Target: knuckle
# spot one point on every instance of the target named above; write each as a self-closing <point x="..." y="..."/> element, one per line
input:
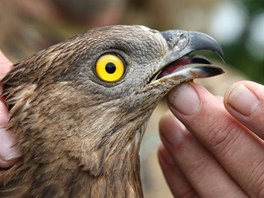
<point x="198" y="166"/>
<point x="223" y="138"/>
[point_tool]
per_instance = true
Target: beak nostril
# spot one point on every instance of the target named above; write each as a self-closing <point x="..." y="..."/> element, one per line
<point x="176" y="39"/>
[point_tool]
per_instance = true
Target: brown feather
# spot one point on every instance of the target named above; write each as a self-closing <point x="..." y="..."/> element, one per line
<point x="80" y="136"/>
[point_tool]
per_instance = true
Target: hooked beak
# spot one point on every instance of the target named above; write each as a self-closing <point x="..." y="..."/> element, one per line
<point x="179" y="64"/>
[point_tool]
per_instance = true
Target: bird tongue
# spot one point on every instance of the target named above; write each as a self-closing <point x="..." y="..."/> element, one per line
<point x="186" y="60"/>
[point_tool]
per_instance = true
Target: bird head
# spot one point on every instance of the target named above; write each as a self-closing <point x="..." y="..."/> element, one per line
<point x="91" y="96"/>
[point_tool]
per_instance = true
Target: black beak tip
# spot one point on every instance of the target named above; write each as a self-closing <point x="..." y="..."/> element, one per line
<point x="210" y="71"/>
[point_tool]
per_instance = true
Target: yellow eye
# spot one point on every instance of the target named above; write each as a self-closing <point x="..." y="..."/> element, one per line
<point x="110" y="68"/>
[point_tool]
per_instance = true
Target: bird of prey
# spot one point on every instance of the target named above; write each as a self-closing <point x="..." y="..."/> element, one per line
<point x="79" y="108"/>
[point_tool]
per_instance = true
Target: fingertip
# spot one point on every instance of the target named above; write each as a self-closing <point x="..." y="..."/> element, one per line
<point x="169" y="121"/>
<point x="243" y="98"/>
<point x="4" y="115"/>
<point x="164" y="157"/>
<point x="7" y="164"/>
<point x="184" y="99"/>
<point x="245" y="101"/>
<point x="171" y="130"/>
<point x="5" y="65"/>
<point x="254" y="87"/>
<point x="165" y="119"/>
<point x="9" y="153"/>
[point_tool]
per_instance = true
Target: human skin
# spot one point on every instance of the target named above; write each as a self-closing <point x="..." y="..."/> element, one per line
<point x="214" y="148"/>
<point x="8" y="152"/>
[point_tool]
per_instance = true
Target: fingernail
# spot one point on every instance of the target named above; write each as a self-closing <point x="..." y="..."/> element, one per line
<point x="12" y="156"/>
<point x="184" y="99"/>
<point x="243" y="100"/>
<point x="173" y="132"/>
<point x="7" y="149"/>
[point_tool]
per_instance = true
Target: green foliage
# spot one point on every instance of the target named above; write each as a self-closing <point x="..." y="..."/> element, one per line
<point x="238" y="55"/>
<point x="253" y="6"/>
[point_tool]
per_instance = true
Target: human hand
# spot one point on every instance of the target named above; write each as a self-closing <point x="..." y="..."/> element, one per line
<point x="8" y="152"/>
<point x="214" y="149"/>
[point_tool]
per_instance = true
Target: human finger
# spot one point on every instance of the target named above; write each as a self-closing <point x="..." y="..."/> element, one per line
<point x="8" y="151"/>
<point x="245" y="101"/>
<point x="238" y="150"/>
<point x="201" y="169"/>
<point x="5" y="65"/>
<point x="178" y="184"/>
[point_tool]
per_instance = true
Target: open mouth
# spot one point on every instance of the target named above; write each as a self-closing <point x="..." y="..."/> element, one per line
<point x="190" y="62"/>
<point x="176" y="65"/>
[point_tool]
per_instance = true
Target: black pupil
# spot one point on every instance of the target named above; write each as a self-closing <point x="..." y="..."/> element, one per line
<point x="110" y="68"/>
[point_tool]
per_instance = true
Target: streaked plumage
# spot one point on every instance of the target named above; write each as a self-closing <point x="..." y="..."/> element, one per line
<point x="80" y="135"/>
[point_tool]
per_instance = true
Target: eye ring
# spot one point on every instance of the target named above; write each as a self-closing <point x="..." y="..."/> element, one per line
<point x="110" y="68"/>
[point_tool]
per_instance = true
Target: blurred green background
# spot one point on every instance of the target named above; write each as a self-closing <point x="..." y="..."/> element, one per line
<point x="30" y="25"/>
<point x="245" y="51"/>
